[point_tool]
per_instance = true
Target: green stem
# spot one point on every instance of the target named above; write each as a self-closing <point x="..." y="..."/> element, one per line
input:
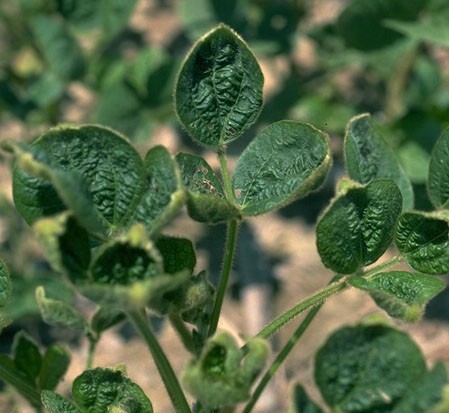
<point x="225" y="174"/>
<point x="311" y="301"/>
<point x="164" y="367"/>
<point x="379" y="268"/>
<point x="14" y="379"/>
<point x="225" y="274"/>
<point x="183" y="332"/>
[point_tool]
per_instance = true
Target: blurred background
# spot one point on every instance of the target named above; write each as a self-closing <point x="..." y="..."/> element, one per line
<point x="114" y="62"/>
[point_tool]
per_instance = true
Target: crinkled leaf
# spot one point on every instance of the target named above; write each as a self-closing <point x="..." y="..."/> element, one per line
<point x="177" y="253"/>
<point x="27" y="357"/>
<point x="425" y="393"/>
<point x="66" y="244"/>
<point x="59" y="313"/>
<point x="206" y="201"/>
<point x="366" y="369"/>
<point x="423" y="239"/>
<point x="358" y="226"/>
<point x="368" y="157"/>
<point x="218" y="93"/>
<point x="286" y="161"/>
<point x="58" y="46"/>
<point x="5" y="284"/>
<point x="301" y="402"/>
<point x="361" y="24"/>
<point x="103" y="390"/>
<point x="162" y="194"/>
<point x="223" y="375"/>
<point x="438" y="181"/>
<point x="106" y="317"/>
<point x="55" y="363"/>
<point x="55" y="403"/>
<point x="401" y="294"/>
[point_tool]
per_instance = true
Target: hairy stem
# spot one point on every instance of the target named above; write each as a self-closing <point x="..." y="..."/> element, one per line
<point x="225" y="175"/>
<point x="183" y="332"/>
<point x="231" y="241"/>
<point x="140" y="320"/>
<point x="315" y="299"/>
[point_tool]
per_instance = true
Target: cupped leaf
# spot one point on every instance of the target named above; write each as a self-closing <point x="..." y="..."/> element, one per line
<point x="178" y="254"/>
<point x="59" y="313"/>
<point x="66" y="244"/>
<point x="5" y="285"/>
<point x="358" y="226"/>
<point x="82" y="165"/>
<point x="438" y="181"/>
<point x="206" y="201"/>
<point x="366" y="369"/>
<point x="361" y="24"/>
<point x="423" y="239"/>
<point x="223" y="375"/>
<point x="368" y="157"/>
<point x="401" y="294"/>
<point x="286" y="161"/>
<point x="163" y="195"/>
<point x="55" y="363"/>
<point x="218" y="93"/>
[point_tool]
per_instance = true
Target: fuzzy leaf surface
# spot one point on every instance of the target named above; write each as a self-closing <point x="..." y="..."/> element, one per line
<point x="358" y="226"/>
<point x="206" y="201"/>
<point x="55" y="403"/>
<point x="367" y="369"/>
<point x="401" y="294"/>
<point x="368" y="157"/>
<point x="285" y="162"/>
<point x="218" y="93"/>
<point x="423" y="239"/>
<point x="438" y="181"/>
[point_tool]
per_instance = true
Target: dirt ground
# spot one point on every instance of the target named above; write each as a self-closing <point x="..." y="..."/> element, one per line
<point x="300" y="271"/>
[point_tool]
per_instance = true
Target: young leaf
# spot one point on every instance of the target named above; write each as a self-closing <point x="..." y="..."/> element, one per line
<point x="66" y="244"/>
<point x="105" y="162"/>
<point x="222" y="376"/>
<point x="27" y="357"/>
<point x="358" y="226"/>
<point x="218" y="93"/>
<point x="438" y="181"/>
<point x="368" y="157"/>
<point x="178" y="254"/>
<point x="55" y="363"/>
<point x="301" y="402"/>
<point x="286" y="161"/>
<point x="162" y="197"/>
<point x="206" y="201"/>
<point x="365" y="369"/>
<point x="106" y="317"/>
<point x="5" y="285"/>
<point x="401" y="294"/>
<point x="59" y="313"/>
<point x="55" y="403"/>
<point x="102" y="390"/>
<point x="423" y="239"/>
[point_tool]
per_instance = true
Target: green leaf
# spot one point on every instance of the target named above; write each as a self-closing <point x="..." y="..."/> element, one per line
<point x="423" y="239"/>
<point x="438" y="181"/>
<point x="58" y="47"/>
<point x="361" y="24"/>
<point x="368" y="157"/>
<point x="206" y="201"/>
<point x="59" y="313"/>
<point x="87" y="165"/>
<point x="66" y="244"/>
<point x="106" y="317"/>
<point x="107" y="390"/>
<point x="286" y="161"/>
<point x="218" y="93"/>
<point x="301" y="402"/>
<point x="163" y="195"/>
<point x="425" y="393"/>
<point x="223" y="375"/>
<point x="178" y="254"/>
<point x="401" y="294"/>
<point x="57" y="404"/>
<point x="55" y="363"/>
<point x="27" y="357"/>
<point x="358" y="226"/>
<point x="5" y="285"/>
<point x="366" y="369"/>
